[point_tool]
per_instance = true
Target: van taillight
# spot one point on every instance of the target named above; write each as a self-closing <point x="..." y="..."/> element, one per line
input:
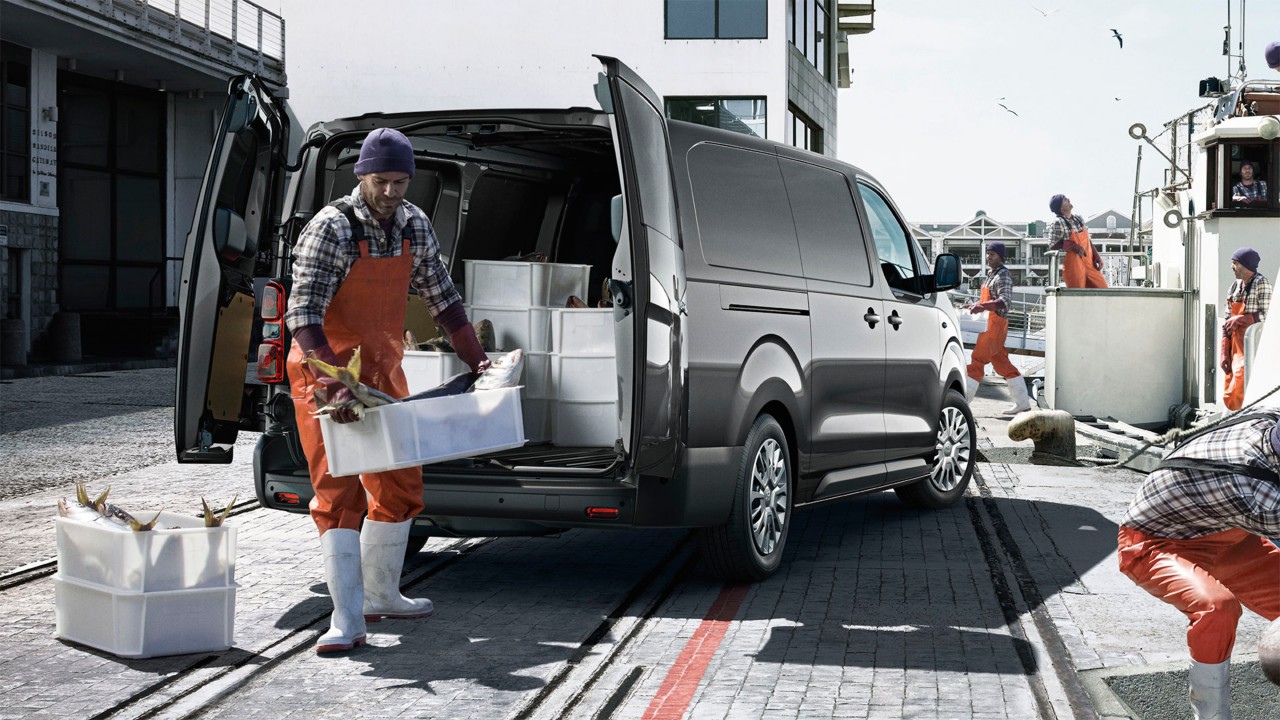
<point x="602" y="513"/>
<point x="285" y="498"/>
<point x="271" y="351"/>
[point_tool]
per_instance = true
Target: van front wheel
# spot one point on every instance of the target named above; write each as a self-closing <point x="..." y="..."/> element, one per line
<point x="955" y="452"/>
<point x="749" y="546"/>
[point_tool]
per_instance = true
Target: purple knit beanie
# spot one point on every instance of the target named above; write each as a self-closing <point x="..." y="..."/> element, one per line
<point x="1055" y="202"/>
<point x="996" y="247"/>
<point x="385" y="150"/>
<point x="1247" y="257"/>
<point x="1273" y="56"/>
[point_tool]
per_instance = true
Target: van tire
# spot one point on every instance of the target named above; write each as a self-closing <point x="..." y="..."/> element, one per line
<point x="951" y="465"/>
<point x="732" y="551"/>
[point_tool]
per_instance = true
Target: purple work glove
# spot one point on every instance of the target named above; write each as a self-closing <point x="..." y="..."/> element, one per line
<point x="467" y="345"/>
<point x="313" y="343"/>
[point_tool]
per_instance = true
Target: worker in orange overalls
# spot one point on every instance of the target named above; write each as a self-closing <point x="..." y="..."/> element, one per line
<point x="354" y="264"/>
<point x="1195" y="536"/>
<point x="1247" y="303"/>
<point x="997" y="291"/>
<point x="1081" y="263"/>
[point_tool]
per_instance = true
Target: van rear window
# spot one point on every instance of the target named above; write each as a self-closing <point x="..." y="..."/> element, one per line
<point x="744" y="221"/>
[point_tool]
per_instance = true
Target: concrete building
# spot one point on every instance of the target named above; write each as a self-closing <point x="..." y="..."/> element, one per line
<point x="768" y="68"/>
<point x="1027" y="242"/>
<point x="109" y="109"/>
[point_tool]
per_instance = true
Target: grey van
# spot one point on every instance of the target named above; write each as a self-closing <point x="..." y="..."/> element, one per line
<point x="780" y="340"/>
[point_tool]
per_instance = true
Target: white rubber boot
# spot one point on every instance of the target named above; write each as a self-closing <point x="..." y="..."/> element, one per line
<point x="382" y="558"/>
<point x="341" y="549"/>
<point x="970" y="388"/>
<point x="1018" y="394"/>
<point x="1210" y="692"/>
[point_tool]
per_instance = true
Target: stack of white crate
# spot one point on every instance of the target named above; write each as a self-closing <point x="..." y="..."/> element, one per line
<point x="570" y="394"/>
<point x="167" y="591"/>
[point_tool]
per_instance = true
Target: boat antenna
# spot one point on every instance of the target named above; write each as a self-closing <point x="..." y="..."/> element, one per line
<point x="1240" y="73"/>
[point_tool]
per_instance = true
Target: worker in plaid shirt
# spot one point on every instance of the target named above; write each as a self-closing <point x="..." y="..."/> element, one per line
<point x="353" y="267"/>
<point x="1247" y="303"/>
<point x="1249" y="191"/>
<point x="1195" y="537"/>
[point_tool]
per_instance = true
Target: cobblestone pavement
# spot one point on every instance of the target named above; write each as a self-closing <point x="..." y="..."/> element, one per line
<point x="1000" y="607"/>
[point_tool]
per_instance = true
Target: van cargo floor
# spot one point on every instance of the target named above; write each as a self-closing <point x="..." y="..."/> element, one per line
<point x="549" y="456"/>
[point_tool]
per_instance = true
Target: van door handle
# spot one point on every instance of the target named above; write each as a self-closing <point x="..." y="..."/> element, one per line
<point x="894" y="320"/>
<point x="871" y="317"/>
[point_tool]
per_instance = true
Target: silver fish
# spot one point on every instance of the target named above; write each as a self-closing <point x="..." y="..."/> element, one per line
<point x="364" y="396"/>
<point x="113" y="514"/>
<point x="502" y="373"/>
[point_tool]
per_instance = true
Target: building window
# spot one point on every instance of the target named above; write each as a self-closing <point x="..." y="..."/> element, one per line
<point x="743" y="115"/>
<point x="807" y="30"/>
<point x="712" y="19"/>
<point x="15" y="113"/>
<point x="805" y="133"/>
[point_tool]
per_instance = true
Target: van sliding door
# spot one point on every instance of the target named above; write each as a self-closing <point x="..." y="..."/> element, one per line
<point x="648" y="295"/>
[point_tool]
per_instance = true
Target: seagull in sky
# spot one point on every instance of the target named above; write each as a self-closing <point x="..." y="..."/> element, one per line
<point x="1006" y="107"/>
<point x="1042" y="12"/>
<point x="1116" y="34"/>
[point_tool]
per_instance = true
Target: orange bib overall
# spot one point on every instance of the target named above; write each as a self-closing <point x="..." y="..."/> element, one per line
<point x="1233" y="383"/>
<point x="366" y="312"/>
<point x="1079" y="272"/>
<point x="990" y="345"/>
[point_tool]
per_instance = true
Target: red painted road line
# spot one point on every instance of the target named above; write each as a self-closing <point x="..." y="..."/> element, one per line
<point x="683" y="678"/>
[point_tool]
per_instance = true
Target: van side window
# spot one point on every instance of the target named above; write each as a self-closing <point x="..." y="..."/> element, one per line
<point x="831" y="245"/>
<point x="893" y="242"/>
<point x="744" y="220"/>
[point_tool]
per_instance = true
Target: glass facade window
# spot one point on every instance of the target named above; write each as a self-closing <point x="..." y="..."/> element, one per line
<point x="15" y="116"/>
<point x="743" y="115"/>
<point x="716" y="19"/>
<point x="805" y="133"/>
<point x="807" y="22"/>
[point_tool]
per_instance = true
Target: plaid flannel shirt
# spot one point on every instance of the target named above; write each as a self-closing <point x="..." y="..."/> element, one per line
<point x="999" y="283"/>
<point x="1181" y="503"/>
<point x="324" y="253"/>
<point x="1061" y="230"/>
<point x="1257" y="300"/>
<point x="1255" y="191"/>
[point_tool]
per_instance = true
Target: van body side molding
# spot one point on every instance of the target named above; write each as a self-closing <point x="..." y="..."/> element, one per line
<point x="763" y="300"/>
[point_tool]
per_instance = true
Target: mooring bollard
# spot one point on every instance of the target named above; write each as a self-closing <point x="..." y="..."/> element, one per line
<point x="1054" y="431"/>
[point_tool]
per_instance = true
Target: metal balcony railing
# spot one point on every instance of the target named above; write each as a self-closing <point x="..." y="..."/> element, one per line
<point x="239" y="33"/>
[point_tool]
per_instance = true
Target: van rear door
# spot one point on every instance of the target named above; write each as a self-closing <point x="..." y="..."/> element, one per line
<point x="648" y="295"/>
<point x="230" y="235"/>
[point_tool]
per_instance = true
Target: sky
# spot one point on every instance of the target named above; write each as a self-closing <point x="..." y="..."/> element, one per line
<point x="922" y="114"/>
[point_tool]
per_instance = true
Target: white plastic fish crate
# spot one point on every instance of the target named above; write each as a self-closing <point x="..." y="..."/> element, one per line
<point x="425" y="431"/>
<point x="582" y="331"/>
<point x="524" y="284"/>
<point x="584" y="378"/>
<point x="527" y="328"/>
<point x="179" y="554"/>
<point x="143" y="625"/>
<point x="584" y="424"/>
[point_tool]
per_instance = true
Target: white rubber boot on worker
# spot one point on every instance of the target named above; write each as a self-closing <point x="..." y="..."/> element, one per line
<point x="382" y="558"/>
<point x="970" y="388"/>
<point x="1210" y="690"/>
<point x="341" y="548"/>
<point x="1018" y="394"/>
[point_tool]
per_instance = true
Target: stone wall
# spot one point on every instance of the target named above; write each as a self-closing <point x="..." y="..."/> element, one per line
<point x="35" y="234"/>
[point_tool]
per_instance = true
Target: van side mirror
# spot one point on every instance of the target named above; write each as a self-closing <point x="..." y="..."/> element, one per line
<point x="946" y="272"/>
<point x="615" y="217"/>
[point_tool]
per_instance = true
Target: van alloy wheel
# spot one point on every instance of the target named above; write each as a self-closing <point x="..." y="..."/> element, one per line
<point x="769" y="500"/>
<point x="953" y="459"/>
<point x="954" y="450"/>
<point x="749" y="545"/>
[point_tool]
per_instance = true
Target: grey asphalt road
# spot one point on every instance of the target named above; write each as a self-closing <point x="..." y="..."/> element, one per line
<point x="52" y="429"/>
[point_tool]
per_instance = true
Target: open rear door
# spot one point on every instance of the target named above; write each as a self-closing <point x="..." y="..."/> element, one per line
<point x="230" y="234"/>
<point x="648" y="300"/>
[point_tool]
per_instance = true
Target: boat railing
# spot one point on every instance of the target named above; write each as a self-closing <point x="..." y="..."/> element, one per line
<point x="1025" y="316"/>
